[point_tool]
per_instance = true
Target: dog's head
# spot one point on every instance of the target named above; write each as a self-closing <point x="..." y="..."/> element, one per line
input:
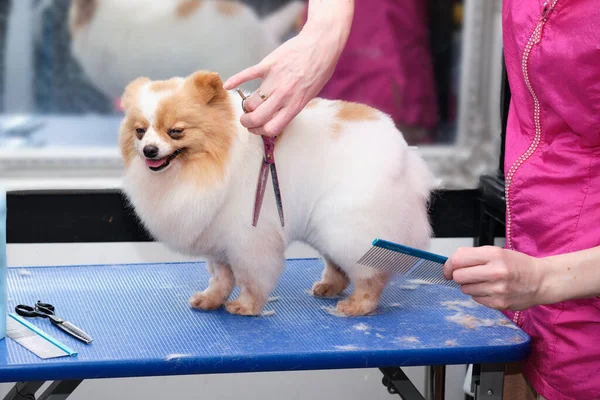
<point x="181" y="120"/>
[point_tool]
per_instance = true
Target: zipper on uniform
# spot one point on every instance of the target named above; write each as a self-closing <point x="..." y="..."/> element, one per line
<point x="535" y="38"/>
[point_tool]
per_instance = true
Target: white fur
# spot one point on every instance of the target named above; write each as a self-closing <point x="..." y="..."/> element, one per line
<point x="339" y="193"/>
<point x="151" y="137"/>
<point x="131" y="38"/>
<point x="149" y="101"/>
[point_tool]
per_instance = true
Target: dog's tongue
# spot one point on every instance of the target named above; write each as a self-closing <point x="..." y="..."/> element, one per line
<point x="155" y="163"/>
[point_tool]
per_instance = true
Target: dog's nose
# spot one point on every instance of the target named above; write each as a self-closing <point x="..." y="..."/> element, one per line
<point x="150" y="151"/>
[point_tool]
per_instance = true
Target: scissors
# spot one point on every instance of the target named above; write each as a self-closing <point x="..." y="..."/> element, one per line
<point x="268" y="162"/>
<point x="45" y="310"/>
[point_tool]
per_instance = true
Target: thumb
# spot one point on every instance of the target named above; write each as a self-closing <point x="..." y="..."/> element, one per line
<point x="253" y="72"/>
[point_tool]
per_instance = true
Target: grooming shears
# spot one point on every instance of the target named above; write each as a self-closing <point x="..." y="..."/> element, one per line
<point x="45" y="310"/>
<point x="268" y="162"/>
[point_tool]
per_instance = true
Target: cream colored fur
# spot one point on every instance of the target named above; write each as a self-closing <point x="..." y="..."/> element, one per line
<point x="340" y="191"/>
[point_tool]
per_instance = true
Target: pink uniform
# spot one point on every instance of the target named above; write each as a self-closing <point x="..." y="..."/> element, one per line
<point x="387" y="62"/>
<point x="552" y="168"/>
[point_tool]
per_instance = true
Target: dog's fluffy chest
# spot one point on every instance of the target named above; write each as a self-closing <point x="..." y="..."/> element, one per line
<point x="175" y="213"/>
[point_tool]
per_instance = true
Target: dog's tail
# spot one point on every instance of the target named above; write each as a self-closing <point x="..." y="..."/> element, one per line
<point x="281" y="21"/>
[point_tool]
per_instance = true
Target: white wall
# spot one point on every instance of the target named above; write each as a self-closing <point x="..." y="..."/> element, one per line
<point x="357" y="384"/>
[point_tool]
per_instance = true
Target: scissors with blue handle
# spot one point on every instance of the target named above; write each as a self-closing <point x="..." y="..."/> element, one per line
<point x="45" y="310"/>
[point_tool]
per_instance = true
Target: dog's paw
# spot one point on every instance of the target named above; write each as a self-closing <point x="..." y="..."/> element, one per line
<point x="355" y="308"/>
<point x="327" y="289"/>
<point x="205" y="301"/>
<point x="241" y="307"/>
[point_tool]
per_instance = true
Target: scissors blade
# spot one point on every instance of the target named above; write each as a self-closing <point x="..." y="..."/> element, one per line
<point x="74" y="331"/>
<point x="277" y="193"/>
<point x="260" y="191"/>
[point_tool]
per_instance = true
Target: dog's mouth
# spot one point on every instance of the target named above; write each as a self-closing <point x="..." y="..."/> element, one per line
<point x="162" y="163"/>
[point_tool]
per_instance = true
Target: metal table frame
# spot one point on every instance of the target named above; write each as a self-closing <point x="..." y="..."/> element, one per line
<point x="488" y="380"/>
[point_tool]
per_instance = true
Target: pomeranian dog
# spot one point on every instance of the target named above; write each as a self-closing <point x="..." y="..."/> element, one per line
<point x="347" y="176"/>
<point x="115" y="41"/>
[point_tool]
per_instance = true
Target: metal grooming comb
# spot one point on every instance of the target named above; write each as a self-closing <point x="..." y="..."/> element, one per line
<point x="412" y="263"/>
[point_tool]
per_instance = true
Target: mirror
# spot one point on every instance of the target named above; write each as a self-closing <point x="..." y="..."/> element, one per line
<point x="432" y="65"/>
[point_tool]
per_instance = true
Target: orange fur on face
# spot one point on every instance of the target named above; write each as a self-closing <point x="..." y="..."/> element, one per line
<point x="200" y="106"/>
<point x="133" y="119"/>
<point x="187" y="7"/>
<point x="126" y="144"/>
<point x="202" y="109"/>
<point x="162" y="86"/>
<point x="83" y="12"/>
<point x="227" y="7"/>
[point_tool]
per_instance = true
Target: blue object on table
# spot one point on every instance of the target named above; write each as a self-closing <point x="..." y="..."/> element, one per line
<point x="142" y="326"/>
<point x="3" y="278"/>
<point x="411" y="262"/>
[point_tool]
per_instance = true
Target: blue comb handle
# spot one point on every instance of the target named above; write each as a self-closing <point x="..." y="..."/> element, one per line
<point x="43" y="334"/>
<point x="410" y="251"/>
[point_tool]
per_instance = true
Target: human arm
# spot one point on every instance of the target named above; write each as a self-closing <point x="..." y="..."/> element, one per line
<point x="505" y="279"/>
<point x="297" y="70"/>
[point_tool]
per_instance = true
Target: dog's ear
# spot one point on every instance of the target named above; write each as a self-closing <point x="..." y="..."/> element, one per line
<point x="131" y="92"/>
<point x="207" y="86"/>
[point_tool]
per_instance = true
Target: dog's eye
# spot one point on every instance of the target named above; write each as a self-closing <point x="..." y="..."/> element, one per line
<point x="175" y="132"/>
<point x="139" y="133"/>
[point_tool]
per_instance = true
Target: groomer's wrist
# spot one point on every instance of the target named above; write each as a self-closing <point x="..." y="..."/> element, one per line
<point x="547" y="285"/>
<point x="558" y="282"/>
<point x="331" y="23"/>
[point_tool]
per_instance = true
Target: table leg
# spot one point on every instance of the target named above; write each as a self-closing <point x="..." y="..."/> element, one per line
<point x="396" y="382"/>
<point x="439" y="382"/>
<point x="58" y="390"/>
<point x="24" y="390"/>
<point x="488" y="381"/>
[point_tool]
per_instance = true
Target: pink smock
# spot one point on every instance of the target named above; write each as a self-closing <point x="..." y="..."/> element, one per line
<point x="552" y="169"/>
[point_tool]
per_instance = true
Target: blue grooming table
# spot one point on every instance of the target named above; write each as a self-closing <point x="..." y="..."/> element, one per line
<point x="139" y="318"/>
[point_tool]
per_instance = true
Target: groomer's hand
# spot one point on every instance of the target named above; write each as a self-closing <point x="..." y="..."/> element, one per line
<point x="495" y="277"/>
<point x="296" y="71"/>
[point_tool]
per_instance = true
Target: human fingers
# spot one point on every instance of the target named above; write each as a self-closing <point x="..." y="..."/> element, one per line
<point x="248" y="74"/>
<point x="468" y="257"/>
<point x="481" y="273"/>
<point x="255" y="99"/>
<point x="261" y="114"/>
<point x="276" y="124"/>
<point x="484" y="289"/>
